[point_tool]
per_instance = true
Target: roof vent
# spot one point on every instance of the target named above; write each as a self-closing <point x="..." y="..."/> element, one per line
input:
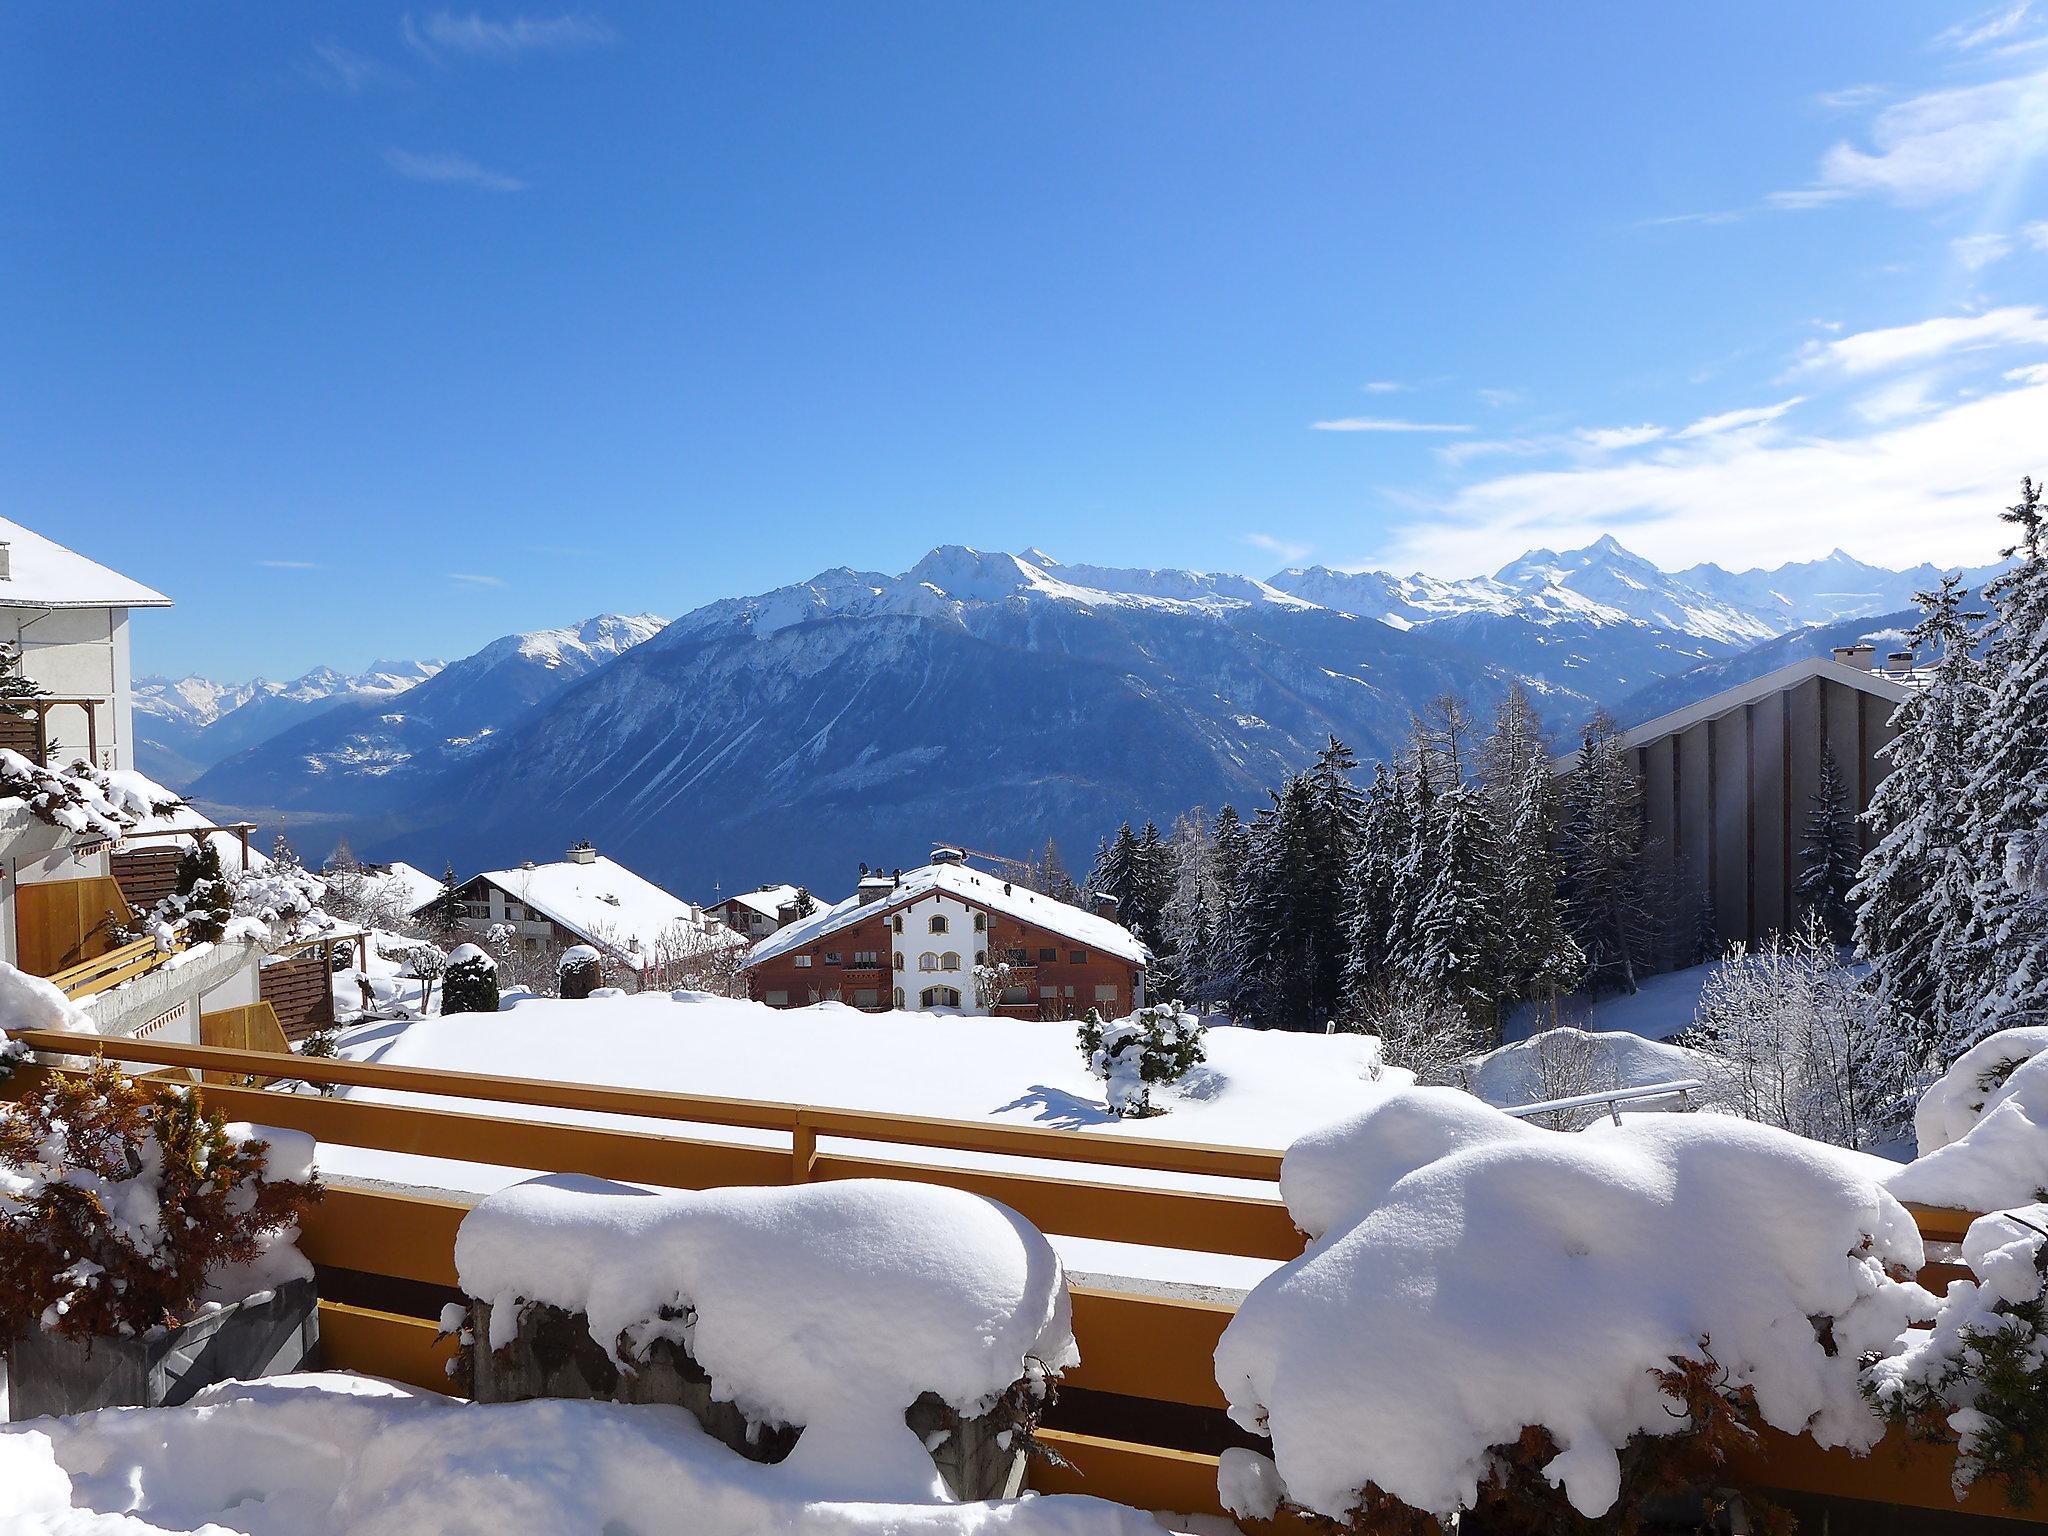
<point x="1900" y="661"/>
<point x="583" y="853"/>
<point x="6" y="562"/>
<point x="1856" y="655"/>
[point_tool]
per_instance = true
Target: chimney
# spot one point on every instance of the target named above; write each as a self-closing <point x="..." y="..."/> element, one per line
<point x="1856" y="655"/>
<point x="1900" y="662"/>
<point x="945" y="855"/>
<point x="873" y="887"/>
<point x="1102" y="904"/>
<point x="583" y="853"/>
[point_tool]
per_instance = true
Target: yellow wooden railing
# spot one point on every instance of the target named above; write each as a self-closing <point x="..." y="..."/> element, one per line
<point x="1151" y="1353"/>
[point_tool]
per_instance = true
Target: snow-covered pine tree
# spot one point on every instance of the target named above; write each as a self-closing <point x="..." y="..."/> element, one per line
<point x="1456" y="946"/>
<point x="1601" y="845"/>
<point x="1293" y="917"/>
<point x="446" y="916"/>
<point x="1829" y="853"/>
<point x="1540" y="960"/>
<point x="282" y="853"/>
<point x="1914" y="889"/>
<point x="2005" y="808"/>
<point x="14" y="686"/>
<point x="1187" y="920"/>
<point x="1115" y="868"/>
<point x="1371" y="891"/>
<point x="201" y="896"/>
<point x="1230" y="841"/>
<point x="805" y="903"/>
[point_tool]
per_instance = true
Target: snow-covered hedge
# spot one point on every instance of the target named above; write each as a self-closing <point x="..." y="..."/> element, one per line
<point x="1983" y="1127"/>
<point x="1152" y="1048"/>
<point x="1980" y="1375"/>
<point x="830" y="1306"/>
<point x="1474" y="1277"/>
<point x="470" y="984"/>
<point x="82" y="798"/>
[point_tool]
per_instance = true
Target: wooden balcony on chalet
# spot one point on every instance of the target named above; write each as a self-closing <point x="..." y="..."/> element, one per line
<point x="25" y="728"/>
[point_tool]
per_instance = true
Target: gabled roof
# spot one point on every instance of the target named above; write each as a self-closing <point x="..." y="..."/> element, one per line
<point x="44" y="574"/>
<point x="767" y="901"/>
<point x="603" y="903"/>
<point x="1892" y="687"/>
<point x="973" y="887"/>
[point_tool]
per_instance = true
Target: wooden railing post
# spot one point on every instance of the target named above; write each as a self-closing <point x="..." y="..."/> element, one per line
<point x="803" y="1149"/>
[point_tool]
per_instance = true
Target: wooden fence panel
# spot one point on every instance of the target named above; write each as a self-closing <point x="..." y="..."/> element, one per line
<point x="301" y="991"/>
<point x="59" y="923"/>
<point x="146" y="875"/>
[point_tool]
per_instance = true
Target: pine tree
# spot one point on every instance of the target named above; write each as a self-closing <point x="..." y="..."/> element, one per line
<point x="1601" y="841"/>
<point x="2005" y="807"/>
<point x="805" y="903"/>
<point x="446" y="916"/>
<point x="1914" y="889"/>
<point x="1049" y="875"/>
<point x="14" y="686"/>
<point x="1186" y="920"/>
<point x="1829" y="853"/>
<point x="1293" y="919"/>
<point x="1116" y="870"/>
<point x="1540" y="960"/>
<point x="201" y="896"/>
<point x="1230" y="859"/>
<point x="282" y="853"/>
<point x="1456" y="944"/>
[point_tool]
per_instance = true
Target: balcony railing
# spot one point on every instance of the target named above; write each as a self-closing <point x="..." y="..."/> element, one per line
<point x="386" y="1258"/>
<point x="103" y="972"/>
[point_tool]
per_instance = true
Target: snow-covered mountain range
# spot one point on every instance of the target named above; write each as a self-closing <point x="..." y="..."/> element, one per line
<point x="185" y="725"/>
<point x="989" y="698"/>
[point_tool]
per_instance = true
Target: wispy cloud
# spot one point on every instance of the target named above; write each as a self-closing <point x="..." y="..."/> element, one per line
<point x="345" y="70"/>
<point x="1936" y="146"/>
<point x="476" y="36"/>
<point x="2035" y="234"/>
<point x="452" y="168"/>
<point x="1924" y="488"/>
<point x="1896" y="399"/>
<point x="1285" y="551"/>
<point x="1925" y="340"/>
<point x="1985" y="27"/>
<point x="1736" y="420"/>
<point x="472" y="579"/>
<point x="291" y="565"/>
<point x="1976" y="252"/>
<point x="1385" y="387"/>
<point x="1498" y="398"/>
<point x="1387" y="424"/>
<point x="1606" y="439"/>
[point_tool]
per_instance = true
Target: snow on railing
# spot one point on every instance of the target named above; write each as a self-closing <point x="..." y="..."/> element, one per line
<point x="1683" y="1087"/>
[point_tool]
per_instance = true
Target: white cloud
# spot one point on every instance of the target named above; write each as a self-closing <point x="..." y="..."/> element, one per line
<point x="1735" y="421"/>
<point x="1985" y="27"/>
<point x="473" y="35"/>
<point x="1383" y="424"/>
<point x="1284" y="550"/>
<point x="1929" y="488"/>
<point x="1870" y="351"/>
<point x="290" y="565"/>
<point x="451" y="168"/>
<point x="1935" y="146"/>
<point x="1909" y="395"/>
<point x="2036" y="234"/>
<point x="472" y="579"/>
<point x="1975" y="252"/>
<point x="1385" y="387"/>
<point x="1499" y="397"/>
<point x="1606" y="438"/>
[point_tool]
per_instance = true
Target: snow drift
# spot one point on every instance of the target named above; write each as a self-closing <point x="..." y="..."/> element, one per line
<point x="1473" y="1275"/>
<point x="1982" y="1127"/>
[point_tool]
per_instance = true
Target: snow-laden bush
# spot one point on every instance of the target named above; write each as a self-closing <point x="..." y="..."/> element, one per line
<point x="1982" y="1127"/>
<point x="833" y="1307"/>
<point x="579" y="972"/>
<point x="84" y="799"/>
<point x="470" y="984"/>
<point x="1979" y="1377"/>
<point x="1796" y="1028"/>
<point x="121" y="1201"/>
<point x="1493" y="1310"/>
<point x="12" y="1054"/>
<point x="1420" y="1027"/>
<point x="1155" y="1047"/>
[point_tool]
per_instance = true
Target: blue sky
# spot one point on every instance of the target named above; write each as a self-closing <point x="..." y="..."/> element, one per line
<point x="381" y="331"/>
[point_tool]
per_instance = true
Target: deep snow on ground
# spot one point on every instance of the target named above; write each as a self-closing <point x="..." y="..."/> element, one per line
<point x="1567" y="1062"/>
<point x="1659" y="1009"/>
<point x="342" y="1455"/>
<point x="1258" y="1088"/>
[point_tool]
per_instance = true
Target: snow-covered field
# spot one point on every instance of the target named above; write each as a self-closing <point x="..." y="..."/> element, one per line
<point x="1659" y="1009"/>
<point x="1257" y="1089"/>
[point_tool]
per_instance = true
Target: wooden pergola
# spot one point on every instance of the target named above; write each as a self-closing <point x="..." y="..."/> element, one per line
<point x="15" y="725"/>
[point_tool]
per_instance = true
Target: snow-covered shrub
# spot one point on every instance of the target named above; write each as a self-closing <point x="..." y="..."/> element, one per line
<point x="1796" y="1027"/>
<point x="471" y="982"/>
<point x="1983" y="1127"/>
<point x="121" y="1200"/>
<point x="1157" y="1045"/>
<point x="12" y="1054"/>
<point x="833" y="1307"/>
<point x="1492" y="1308"/>
<point x="579" y="972"/>
<point x="1422" y="1028"/>
<point x="201" y="906"/>
<point x="82" y="798"/>
<point x="1979" y="1377"/>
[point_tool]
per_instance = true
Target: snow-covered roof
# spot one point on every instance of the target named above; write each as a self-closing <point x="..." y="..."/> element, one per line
<point x="601" y="901"/>
<point x="44" y="574"/>
<point x="973" y="887"/>
<point x="415" y="887"/>
<point x="767" y="900"/>
<point x="1889" y="686"/>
